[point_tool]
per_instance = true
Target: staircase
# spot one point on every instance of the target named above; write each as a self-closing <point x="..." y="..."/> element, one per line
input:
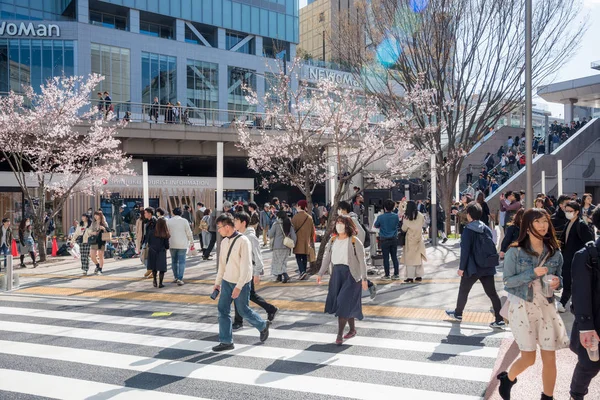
<point x="580" y="156"/>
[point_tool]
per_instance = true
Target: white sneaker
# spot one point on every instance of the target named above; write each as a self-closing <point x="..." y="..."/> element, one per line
<point x="560" y="307"/>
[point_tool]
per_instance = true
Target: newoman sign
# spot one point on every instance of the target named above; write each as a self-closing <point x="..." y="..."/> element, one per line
<point x="29" y="29"/>
<point x="320" y="74"/>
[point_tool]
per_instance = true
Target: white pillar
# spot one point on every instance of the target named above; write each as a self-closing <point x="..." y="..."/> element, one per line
<point x="134" y="20"/>
<point x="145" y="184"/>
<point x="219" y="205"/>
<point x="180" y="30"/>
<point x="331" y="167"/>
<point x="457" y="188"/>
<point x="434" y="231"/>
<point x="544" y="182"/>
<point x="559" y="176"/>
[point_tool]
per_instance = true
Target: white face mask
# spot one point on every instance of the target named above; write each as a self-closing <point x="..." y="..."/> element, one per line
<point x="339" y="212"/>
<point x="569" y="215"/>
<point x="340" y="228"/>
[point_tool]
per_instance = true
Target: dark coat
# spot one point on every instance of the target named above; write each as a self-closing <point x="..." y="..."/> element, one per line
<point x="559" y="221"/>
<point x="511" y="235"/>
<point x="586" y="301"/>
<point x="157" y="249"/>
<point x="485" y="217"/>
<point x="468" y="249"/>
<point x="579" y="235"/>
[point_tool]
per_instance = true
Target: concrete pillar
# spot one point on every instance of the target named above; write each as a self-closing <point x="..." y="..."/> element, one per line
<point x="569" y="113"/>
<point x="135" y="54"/>
<point x="258" y="45"/>
<point x="260" y="88"/>
<point x="180" y="30"/>
<point x="134" y="21"/>
<point x="145" y="189"/>
<point x="559" y="176"/>
<point x="219" y="205"/>
<point x="223" y="96"/>
<point x="83" y="11"/>
<point x="221" y="42"/>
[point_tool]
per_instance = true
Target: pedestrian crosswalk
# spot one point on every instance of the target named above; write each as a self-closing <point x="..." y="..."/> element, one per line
<point x="81" y="352"/>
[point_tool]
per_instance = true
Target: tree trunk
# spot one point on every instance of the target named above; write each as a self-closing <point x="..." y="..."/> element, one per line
<point x="39" y="233"/>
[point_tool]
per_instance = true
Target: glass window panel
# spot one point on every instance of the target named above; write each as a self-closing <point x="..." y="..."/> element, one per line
<point x="46" y="59"/>
<point x="153" y="5"/>
<point x="36" y="64"/>
<point x="141" y="4"/>
<point x="95" y="17"/>
<point x="129" y="3"/>
<point x="69" y="58"/>
<point x="289" y="7"/>
<point x="255" y="21"/>
<point x="245" y="15"/>
<point x="289" y="26"/>
<point x="226" y="13"/>
<point x="236" y="17"/>
<point x="272" y="24"/>
<point x="36" y="4"/>
<point x="25" y="62"/>
<point x="196" y="11"/>
<point x="186" y="9"/>
<point x="163" y="7"/>
<point x="206" y="11"/>
<point x="264" y="22"/>
<point x="217" y="12"/>
<point x="176" y="8"/>
<point x="280" y="26"/>
<point x="57" y="55"/>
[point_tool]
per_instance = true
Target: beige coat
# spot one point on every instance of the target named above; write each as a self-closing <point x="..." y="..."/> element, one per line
<point x="414" y="252"/>
<point x="304" y="232"/>
<point x="139" y="234"/>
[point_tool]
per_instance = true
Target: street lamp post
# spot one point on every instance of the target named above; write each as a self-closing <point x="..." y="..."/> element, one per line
<point x="528" y="109"/>
<point x="433" y="201"/>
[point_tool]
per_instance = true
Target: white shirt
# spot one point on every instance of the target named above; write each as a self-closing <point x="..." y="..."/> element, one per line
<point x="181" y="234"/>
<point x="339" y="251"/>
<point x="239" y="268"/>
<point x="4" y="230"/>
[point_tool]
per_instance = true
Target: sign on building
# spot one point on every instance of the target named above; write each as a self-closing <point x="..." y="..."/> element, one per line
<point x="29" y="29"/>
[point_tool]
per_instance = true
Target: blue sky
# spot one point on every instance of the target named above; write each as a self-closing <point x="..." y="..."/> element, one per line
<point x="576" y="65"/>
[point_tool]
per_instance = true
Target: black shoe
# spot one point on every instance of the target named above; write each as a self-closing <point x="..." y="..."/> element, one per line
<point x="236" y="326"/>
<point x="545" y="397"/>
<point x="418" y="279"/>
<point x="408" y="280"/>
<point x="285" y="279"/>
<point x="278" y="278"/>
<point x="302" y="276"/>
<point x="444" y="240"/>
<point x="505" y="385"/>
<point x="161" y="286"/>
<point x="154" y="282"/>
<point x="264" y="334"/>
<point x="223" y="347"/>
<point x="271" y="316"/>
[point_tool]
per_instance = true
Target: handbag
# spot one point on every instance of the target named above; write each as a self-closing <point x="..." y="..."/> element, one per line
<point x="193" y="251"/>
<point x="401" y="238"/>
<point x="106" y="236"/>
<point x="287" y="241"/>
<point x="144" y="254"/>
<point x="312" y="254"/>
<point x="93" y="239"/>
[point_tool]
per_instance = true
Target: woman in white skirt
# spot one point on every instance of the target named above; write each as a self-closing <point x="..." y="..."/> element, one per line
<point x="531" y="263"/>
<point x="414" y="252"/>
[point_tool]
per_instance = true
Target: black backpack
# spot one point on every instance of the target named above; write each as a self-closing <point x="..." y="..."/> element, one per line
<point x="486" y="256"/>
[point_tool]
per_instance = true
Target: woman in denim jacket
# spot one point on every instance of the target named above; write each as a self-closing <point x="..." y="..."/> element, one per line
<point x="533" y="317"/>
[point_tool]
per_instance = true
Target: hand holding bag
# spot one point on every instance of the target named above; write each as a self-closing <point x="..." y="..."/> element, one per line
<point x="287" y="241"/>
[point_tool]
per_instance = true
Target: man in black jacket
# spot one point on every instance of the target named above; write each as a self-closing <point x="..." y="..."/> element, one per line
<point x="576" y="234"/>
<point x="559" y="221"/>
<point x="586" y="307"/>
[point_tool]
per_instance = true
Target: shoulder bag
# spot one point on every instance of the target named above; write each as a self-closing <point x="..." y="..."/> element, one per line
<point x="287" y="241"/>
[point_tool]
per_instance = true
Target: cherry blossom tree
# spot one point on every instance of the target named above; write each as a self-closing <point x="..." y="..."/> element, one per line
<point x="328" y="131"/>
<point x="50" y="158"/>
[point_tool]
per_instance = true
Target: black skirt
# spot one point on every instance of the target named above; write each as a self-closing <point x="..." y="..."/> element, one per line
<point x="344" y="298"/>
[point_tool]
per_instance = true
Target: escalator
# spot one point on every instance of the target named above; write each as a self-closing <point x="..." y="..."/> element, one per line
<point x="580" y="156"/>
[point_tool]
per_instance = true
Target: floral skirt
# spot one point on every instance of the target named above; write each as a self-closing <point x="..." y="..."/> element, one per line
<point x="537" y="323"/>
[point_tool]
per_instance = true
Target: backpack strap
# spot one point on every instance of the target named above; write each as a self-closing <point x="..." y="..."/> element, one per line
<point x="231" y="247"/>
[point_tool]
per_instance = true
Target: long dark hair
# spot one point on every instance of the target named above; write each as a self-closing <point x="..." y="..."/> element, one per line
<point x="285" y="221"/>
<point x="162" y="230"/>
<point x="411" y="211"/>
<point x="549" y="239"/>
<point x="87" y="218"/>
<point x="480" y="198"/>
<point x="22" y="226"/>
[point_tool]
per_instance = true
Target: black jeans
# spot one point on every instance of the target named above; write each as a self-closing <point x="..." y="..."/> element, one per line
<point x="389" y="247"/>
<point x="567" y="282"/>
<point x="469" y="178"/>
<point x="255" y="298"/>
<point x="211" y="245"/>
<point x="302" y="260"/>
<point x="582" y="376"/>
<point x="489" y="286"/>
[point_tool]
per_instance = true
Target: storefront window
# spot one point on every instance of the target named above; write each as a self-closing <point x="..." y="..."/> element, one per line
<point x="11" y="206"/>
<point x="32" y="62"/>
<point x="202" y="88"/>
<point x="159" y="78"/>
<point x="114" y="64"/>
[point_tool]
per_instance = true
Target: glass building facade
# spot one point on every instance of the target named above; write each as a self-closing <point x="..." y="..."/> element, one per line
<point x="32" y="62"/>
<point x="240" y="82"/>
<point x="276" y="19"/>
<point x="37" y="10"/>
<point x="159" y="78"/>
<point x="202" y="84"/>
<point x="115" y="64"/>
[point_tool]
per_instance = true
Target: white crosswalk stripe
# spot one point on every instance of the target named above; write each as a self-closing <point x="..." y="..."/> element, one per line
<point x="105" y="353"/>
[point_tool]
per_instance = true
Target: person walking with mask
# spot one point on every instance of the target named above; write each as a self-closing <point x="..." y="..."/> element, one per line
<point x="533" y="261"/>
<point x="414" y="252"/>
<point x="344" y="257"/>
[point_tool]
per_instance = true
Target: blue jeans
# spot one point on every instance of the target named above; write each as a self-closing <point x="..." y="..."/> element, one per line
<point x="241" y="305"/>
<point x="302" y="260"/>
<point x="6" y="251"/>
<point x="178" y="262"/>
<point x="389" y="247"/>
